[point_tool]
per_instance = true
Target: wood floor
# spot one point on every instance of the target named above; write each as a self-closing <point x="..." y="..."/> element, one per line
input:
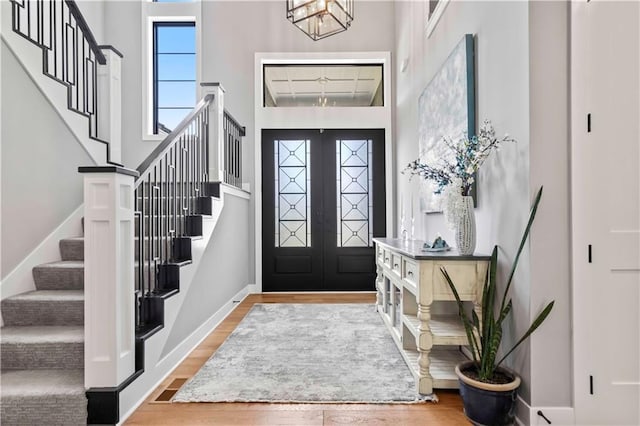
<point x="152" y="412"/>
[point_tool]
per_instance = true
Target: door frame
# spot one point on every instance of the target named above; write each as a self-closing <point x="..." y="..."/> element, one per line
<point x="322" y="265"/>
<point x="319" y="117"/>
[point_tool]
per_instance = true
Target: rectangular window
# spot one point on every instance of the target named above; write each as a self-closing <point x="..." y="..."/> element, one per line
<point x="174" y="73"/>
<point x="292" y="179"/>
<point x="323" y="85"/>
<point x="354" y="185"/>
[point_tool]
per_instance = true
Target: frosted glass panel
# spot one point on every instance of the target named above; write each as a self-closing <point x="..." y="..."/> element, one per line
<point x="293" y="180"/>
<point x="355" y="233"/>
<point x="354" y="153"/>
<point x="354" y="187"/>
<point x="355" y="206"/>
<point x="293" y="206"/>
<point x="291" y="162"/>
<point x="292" y="233"/>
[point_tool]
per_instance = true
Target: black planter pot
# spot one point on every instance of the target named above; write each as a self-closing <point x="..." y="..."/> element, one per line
<point x="486" y="404"/>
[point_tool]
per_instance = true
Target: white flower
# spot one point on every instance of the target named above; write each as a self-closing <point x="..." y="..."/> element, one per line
<point x="464" y="157"/>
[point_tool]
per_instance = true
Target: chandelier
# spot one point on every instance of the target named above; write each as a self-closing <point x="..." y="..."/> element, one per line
<point x="320" y="18"/>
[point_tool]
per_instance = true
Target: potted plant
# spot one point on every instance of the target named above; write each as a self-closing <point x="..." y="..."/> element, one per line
<point x="487" y="388"/>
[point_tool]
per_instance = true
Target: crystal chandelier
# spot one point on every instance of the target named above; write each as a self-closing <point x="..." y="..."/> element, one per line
<point x="320" y="18"/>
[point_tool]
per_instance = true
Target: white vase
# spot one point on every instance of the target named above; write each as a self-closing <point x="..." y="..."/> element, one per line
<point x="466" y="227"/>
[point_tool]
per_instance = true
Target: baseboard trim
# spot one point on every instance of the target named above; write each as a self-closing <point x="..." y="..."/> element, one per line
<point x="528" y="415"/>
<point x="182" y="351"/>
<point x="103" y="404"/>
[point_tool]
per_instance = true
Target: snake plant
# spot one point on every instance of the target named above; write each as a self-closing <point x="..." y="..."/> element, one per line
<point x="485" y="335"/>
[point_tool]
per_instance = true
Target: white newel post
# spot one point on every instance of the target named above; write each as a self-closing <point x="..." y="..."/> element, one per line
<point x="216" y="130"/>
<point x="110" y="102"/>
<point x="109" y="305"/>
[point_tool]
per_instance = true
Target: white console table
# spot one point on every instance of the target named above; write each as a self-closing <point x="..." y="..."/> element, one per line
<point x="408" y="283"/>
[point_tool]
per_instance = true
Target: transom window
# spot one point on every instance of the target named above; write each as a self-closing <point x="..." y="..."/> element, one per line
<point x="174" y="73"/>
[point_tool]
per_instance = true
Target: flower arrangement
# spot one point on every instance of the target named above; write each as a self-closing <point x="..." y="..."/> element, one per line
<point x="469" y="155"/>
<point x="454" y="175"/>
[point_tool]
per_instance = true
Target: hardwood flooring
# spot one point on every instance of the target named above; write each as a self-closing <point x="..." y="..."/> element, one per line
<point x="152" y="412"/>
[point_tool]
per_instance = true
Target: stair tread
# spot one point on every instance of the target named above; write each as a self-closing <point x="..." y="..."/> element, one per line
<point x="49" y="295"/>
<point x="29" y="334"/>
<point x="17" y="383"/>
<point x="62" y="264"/>
<point x="73" y="239"/>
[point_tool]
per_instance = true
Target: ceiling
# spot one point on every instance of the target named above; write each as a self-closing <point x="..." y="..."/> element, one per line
<point x="323" y="85"/>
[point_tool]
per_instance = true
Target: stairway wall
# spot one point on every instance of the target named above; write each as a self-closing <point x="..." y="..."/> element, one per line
<point x="218" y="275"/>
<point x="40" y="156"/>
<point x="222" y="272"/>
<point x="93" y="12"/>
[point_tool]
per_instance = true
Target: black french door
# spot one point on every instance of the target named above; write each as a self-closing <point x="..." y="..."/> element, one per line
<point x="323" y="200"/>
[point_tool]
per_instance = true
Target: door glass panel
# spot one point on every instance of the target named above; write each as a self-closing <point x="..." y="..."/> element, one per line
<point x="354" y="193"/>
<point x="323" y="85"/>
<point x="292" y="183"/>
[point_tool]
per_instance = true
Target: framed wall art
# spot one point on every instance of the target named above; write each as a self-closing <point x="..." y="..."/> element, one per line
<point x="446" y="107"/>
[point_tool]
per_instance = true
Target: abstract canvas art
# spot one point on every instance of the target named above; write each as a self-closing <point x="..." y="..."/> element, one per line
<point x="446" y="107"/>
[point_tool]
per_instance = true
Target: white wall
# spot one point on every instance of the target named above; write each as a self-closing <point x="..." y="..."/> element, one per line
<point x="93" y="12"/>
<point x="221" y="274"/>
<point x="122" y="26"/>
<point x="231" y="33"/>
<point x="549" y="159"/>
<point x="501" y="30"/>
<point x="234" y="31"/>
<point x="208" y="286"/>
<point x="40" y="157"/>
<point x="521" y="85"/>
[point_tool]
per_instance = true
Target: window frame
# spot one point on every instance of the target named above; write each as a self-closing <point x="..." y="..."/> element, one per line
<point x="152" y="12"/>
<point x="433" y="17"/>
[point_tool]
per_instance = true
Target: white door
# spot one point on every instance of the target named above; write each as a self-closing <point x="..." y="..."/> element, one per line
<point x="606" y="211"/>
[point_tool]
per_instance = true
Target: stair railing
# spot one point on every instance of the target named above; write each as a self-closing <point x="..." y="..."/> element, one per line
<point x="233" y="150"/>
<point x="138" y="230"/>
<point x="72" y="57"/>
<point x="171" y="180"/>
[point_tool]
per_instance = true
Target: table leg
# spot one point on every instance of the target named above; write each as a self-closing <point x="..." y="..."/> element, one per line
<point x="424" y="343"/>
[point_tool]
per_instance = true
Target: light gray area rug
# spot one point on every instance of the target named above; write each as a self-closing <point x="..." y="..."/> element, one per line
<point x="305" y="353"/>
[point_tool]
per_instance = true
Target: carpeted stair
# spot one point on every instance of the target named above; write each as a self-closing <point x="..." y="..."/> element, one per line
<point x="42" y="344"/>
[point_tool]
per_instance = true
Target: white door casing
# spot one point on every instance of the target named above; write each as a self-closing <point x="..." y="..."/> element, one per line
<point x="319" y="117"/>
<point x="605" y="80"/>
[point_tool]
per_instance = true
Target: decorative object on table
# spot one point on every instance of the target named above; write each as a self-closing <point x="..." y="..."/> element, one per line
<point x="446" y="107"/>
<point x="413" y="221"/>
<point x="403" y="224"/>
<point x="438" y="245"/>
<point x="454" y="179"/>
<point x="460" y="215"/>
<point x="320" y="18"/>
<point x="489" y="390"/>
